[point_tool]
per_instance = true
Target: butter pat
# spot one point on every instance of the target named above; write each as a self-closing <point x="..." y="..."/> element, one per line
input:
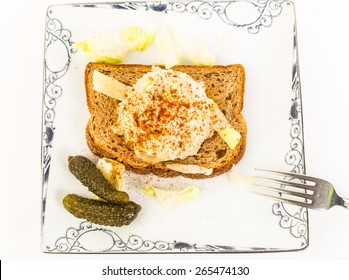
<point x="109" y="86"/>
<point x="230" y="136"/>
<point x="190" y="169"/>
<point x="147" y="158"/>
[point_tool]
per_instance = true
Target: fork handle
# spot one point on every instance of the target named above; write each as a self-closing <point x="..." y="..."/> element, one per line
<point x="345" y="203"/>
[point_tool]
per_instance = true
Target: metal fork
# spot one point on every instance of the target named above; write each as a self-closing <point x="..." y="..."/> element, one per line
<point x="298" y="189"/>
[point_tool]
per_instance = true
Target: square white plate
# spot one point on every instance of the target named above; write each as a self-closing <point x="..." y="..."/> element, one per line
<point x="260" y="35"/>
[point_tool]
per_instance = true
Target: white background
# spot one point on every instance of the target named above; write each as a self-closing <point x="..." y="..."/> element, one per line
<point x="323" y="35"/>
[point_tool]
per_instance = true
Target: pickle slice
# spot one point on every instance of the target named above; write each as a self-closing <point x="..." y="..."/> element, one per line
<point x="101" y="212"/>
<point x="91" y="177"/>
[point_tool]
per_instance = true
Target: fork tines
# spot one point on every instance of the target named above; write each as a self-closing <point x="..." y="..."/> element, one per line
<point x="298" y="191"/>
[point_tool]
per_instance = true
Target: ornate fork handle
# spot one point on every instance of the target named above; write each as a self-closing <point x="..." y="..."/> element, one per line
<point x="344" y="202"/>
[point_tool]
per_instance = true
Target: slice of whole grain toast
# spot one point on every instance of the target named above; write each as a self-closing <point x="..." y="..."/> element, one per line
<point x="224" y="84"/>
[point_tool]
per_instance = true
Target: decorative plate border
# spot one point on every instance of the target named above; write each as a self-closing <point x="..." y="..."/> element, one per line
<point x="265" y="10"/>
<point x="55" y="34"/>
<point x="72" y="243"/>
<point x="296" y="223"/>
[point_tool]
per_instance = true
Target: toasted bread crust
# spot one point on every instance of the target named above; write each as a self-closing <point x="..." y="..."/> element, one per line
<point x="224" y="84"/>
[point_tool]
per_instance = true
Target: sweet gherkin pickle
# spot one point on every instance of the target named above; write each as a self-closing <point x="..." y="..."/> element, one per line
<point x="91" y="177"/>
<point x="101" y="212"/>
